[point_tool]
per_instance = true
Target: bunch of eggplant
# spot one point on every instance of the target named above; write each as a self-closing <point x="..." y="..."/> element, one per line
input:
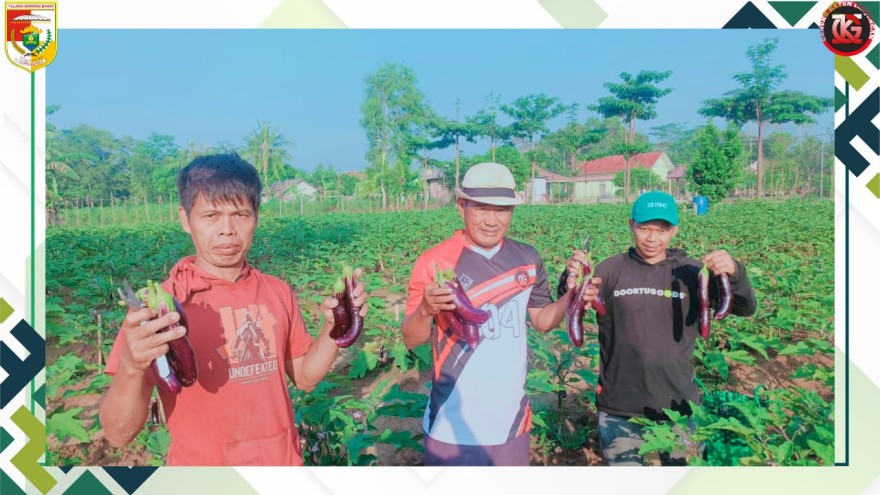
<point x="177" y="368"/>
<point x="348" y="324"/>
<point x="574" y="314"/>
<point x="724" y="306"/>
<point x="465" y="320"/>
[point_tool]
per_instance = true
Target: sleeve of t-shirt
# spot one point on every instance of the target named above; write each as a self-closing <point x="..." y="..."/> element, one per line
<point x="299" y="340"/>
<point x="421" y="276"/>
<point x="113" y="359"/>
<point x="540" y="295"/>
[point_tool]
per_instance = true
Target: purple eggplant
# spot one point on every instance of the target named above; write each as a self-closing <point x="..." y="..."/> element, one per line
<point x="465" y="320"/>
<point x="598" y="303"/>
<point x="726" y="303"/>
<point x="703" y="292"/>
<point x="467" y="332"/>
<point x="356" y="326"/>
<point x="164" y="374"/>
<point x="576" y="306"/>
<point x="341" y="320"/>
<point x="574" y="315"/>
<point x="452" y="323"/>
<point x="178" y="367"/>
<point x="471" y="333"/>
<point x="464" y="308"/>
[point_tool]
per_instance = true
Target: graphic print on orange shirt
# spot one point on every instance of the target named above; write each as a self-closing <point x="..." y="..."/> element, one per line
<point x="250" y="342"/>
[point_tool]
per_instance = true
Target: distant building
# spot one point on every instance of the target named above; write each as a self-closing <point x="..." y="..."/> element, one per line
<point x="595" y="180"/>
<point x="291" y="189"/>
<point x="436" y="185"/>
<point x="542" y="184"/>
<point x="597" y="177"/>
<point x="676" y="181"/>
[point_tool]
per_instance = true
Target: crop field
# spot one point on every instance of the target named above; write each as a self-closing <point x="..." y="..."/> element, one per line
<point x="368" y="410"/>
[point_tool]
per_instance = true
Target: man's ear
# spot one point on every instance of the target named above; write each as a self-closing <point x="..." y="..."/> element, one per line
<point x="460" y="204"/>
<point x="183" y="218"/>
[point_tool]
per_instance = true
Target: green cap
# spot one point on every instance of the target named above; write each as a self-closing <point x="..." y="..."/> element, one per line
<point x="655" y="205"/>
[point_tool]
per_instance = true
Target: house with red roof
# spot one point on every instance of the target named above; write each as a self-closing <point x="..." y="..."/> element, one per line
<point x="597" y="176"/>
<point x="595" y="180"/>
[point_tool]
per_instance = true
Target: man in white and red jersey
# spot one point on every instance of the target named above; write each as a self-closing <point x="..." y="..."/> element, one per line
<point x="478" y="413"/>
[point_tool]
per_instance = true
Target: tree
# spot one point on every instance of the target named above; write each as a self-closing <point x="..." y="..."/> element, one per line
<point x="485" y="123"/>
<point x="814" y="156"/>
<point x="714" y="172"/>
<point x="56" y="166"/>
<point x="570" y="141"/>
<point x="757" y="101"/>
<point x="346" y="183"/>
<point x="640" y="180"/>
<point x="325" y="178"/>
<point x="390" y="111"/>
<point x="265" y="147"/>
<point x="634" y="98"/>
<point x="97" y="158"/>
<point x="431" y="132"/>
<point x="676" y="141"/>
<point x="530" y="115"/>
<point x="145" y="163"/>
<point x="516" y="162"/>
<point x="452" y="132"/>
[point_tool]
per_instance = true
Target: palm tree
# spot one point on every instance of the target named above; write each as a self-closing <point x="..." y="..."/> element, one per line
<point x="265" y="147"/>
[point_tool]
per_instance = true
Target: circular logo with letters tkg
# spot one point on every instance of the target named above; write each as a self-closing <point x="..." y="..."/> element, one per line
<point x="846" y="28"/>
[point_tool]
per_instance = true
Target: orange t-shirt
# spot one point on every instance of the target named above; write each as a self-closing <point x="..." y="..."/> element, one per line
<point x="238" y="412"/>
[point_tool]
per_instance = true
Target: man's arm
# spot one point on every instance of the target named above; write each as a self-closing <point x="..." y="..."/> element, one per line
<point x="718" y="262"/>
<point x="744" y="303"/>
<point x="416" y="326"/>
<point x="548" y="317"/>
<point x="308" y="370"/>
<point x="124" y="409"/>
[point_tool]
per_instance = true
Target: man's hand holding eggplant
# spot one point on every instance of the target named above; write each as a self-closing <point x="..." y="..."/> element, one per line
<point x="144" y="340"/>
<point x="579" y="264"/>
<point x="344" y="312"/>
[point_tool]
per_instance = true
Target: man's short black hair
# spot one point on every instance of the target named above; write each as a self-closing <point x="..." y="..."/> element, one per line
<point x="219" y="178"/>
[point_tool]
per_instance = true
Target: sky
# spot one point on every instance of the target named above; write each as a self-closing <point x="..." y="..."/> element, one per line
<point x="213" y="86"/>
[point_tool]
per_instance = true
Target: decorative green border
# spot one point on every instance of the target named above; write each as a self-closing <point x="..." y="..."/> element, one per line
<point x="857" y="74"/>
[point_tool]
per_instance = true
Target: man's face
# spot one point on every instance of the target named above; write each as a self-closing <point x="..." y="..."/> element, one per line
<point x="222" y="234"/>
<point x="652" y="238"/>
<point x="484" y="224"/>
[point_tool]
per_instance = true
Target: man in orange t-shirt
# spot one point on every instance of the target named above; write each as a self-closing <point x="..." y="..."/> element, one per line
<point x="246" y="330"/>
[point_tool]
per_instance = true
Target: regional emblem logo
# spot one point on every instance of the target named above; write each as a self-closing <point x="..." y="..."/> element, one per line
<point x="31" y="34"/>
<point x="846" y="28"/>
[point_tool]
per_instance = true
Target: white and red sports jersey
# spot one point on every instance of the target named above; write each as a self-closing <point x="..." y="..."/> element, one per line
<point x="478" y="394"/>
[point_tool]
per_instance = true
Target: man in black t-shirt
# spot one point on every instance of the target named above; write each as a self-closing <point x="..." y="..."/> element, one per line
<point x="647" y="337"/>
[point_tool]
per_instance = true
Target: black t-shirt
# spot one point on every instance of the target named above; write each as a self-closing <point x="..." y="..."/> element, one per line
<point x="647" y="337"/>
